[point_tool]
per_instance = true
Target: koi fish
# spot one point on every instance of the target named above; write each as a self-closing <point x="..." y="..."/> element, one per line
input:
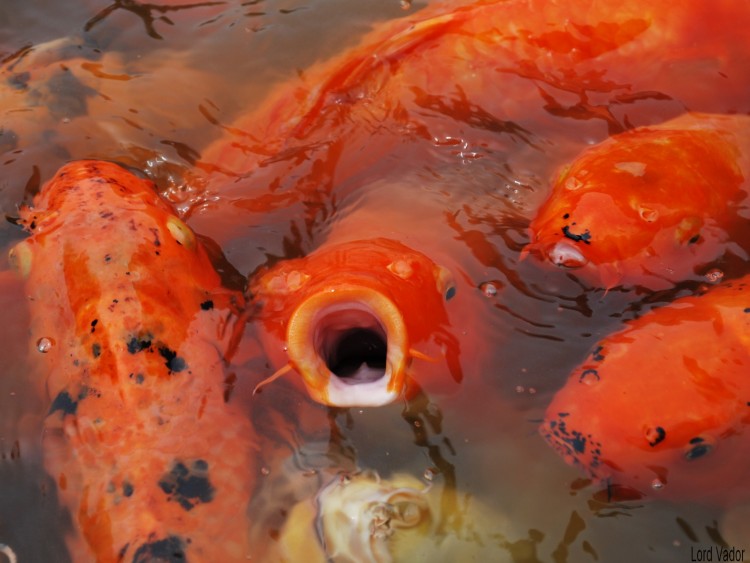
<point x="130" y="326"/>
<point x="467" y="80"/>
<point x="347" y="318"/>
<point x="649" y="206"/>
<point x="663" y="406"/>
<point x="387" y="519"/>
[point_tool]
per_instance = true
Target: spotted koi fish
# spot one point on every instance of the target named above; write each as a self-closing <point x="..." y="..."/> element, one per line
<point x="130" y="326"/>
<point x="648" y="207"/>
<point x="347" y="318"/>
<point x="663" y="406"/>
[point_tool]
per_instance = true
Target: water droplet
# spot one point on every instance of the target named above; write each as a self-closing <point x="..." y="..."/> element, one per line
<point x="573" y="183"/>
<point x="656" y="484"/>
<point x="265" y="471"/>
<point x="647" y="214"/>
<point x="532" y="390"/>
<point x="714" y="275"/>
<point x="488" y="288"/>
<point x="520" y="389"/>
<point x="44" y="344"/>
<point x="417" y="424"/>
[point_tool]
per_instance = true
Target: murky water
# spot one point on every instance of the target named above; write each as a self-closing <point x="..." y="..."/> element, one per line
<point x="153" y="85"/>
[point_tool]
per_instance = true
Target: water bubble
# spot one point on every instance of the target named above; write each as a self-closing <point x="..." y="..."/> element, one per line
<point x="489" y="289"/>
<point x="430" y="473"/>
<point x="265" y="471"/>
<point x="573" y="184"/>
<point x="44" y="344"/>
<point x="405" y="4"/>
<point x="714" y="275"/>
<point x="656" y="484"/>
<point x="647" y="214"/>
<point x="520" y="389"/>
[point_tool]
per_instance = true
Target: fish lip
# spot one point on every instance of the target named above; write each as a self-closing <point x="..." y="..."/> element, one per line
<point x="323" y="317"/>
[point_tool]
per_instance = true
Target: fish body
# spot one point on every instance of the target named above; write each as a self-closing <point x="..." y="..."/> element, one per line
<point x="650" y="206"/>
<point x="346" y="317"/>
<point x="663" y="406"/>
<point x="129" y="327"/>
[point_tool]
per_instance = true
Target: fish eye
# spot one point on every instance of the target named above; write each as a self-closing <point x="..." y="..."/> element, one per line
<point x="697" y="448"/>
<point x="445" y="283"/>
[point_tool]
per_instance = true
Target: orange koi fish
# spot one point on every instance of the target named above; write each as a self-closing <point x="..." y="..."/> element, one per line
<point x="650" y="206"/>
<point x="471" y="80"/>
<point x="347" y="318"/>
<point x="663" y="406"/>
<point x="130" y="324"/>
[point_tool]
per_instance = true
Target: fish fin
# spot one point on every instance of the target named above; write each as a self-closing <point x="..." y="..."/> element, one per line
<point x="278" y="373"/>
<point x="420" y="356"/>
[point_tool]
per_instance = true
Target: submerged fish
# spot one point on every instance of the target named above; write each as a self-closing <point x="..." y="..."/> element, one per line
<point x="363" y="517"/>
<point x="663" y="406"/>
<point x="347" y="318"/>
<point x="650" y="206"/>
<point x="130" y="326"/>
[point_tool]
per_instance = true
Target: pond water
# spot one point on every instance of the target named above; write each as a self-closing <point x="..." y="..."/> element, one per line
<point x="159" y="86"/>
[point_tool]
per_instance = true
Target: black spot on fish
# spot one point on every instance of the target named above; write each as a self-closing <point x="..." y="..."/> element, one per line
<point x="566" y="216"/>
<point x="174" y="362"/>
<point x="597" y="355"/>
<point x="584" y="237"/>
<point x="168" y="550"/>
<point x="207" y="305"/>
<point x="188" y="486"/>
<point x="655" y="435"/>
<point x="155" y="232"/>
<point x="746" y="310"/>
<point x="93" y="324"/>
<point x="136" y="344"/>
<point x="138" y="378"/>
<point x="127" y="489"/>
<point x="695" y="238"/>
<point x="107" y="258"/>
<point x="64" y="403"/>
<point x="698" y="448"/>
<point x="96" y="349"/>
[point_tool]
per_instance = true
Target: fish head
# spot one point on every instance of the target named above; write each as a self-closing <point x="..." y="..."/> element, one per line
<point x="87" y="194"/>
<point x="348" y="316"/>
<point x="95" y="221"/>
<point x="640" y="208"/>
<point x="658" y="410"/>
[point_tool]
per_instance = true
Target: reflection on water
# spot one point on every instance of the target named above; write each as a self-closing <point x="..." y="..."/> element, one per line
<point x="455" y="170"/>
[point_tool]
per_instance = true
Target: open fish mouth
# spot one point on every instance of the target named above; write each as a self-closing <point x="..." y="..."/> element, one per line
<point x="350" y="346"/>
